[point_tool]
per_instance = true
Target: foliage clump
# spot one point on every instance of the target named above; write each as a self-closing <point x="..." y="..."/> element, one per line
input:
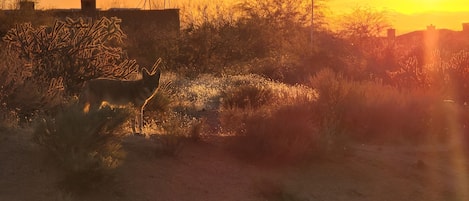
<point x="86" y="146"/>
<point x="21" y="96"/>
<point x="46" y="66"/>
<point x="370" y="111"/>
<point x="74" y="50"/>
<point x="247" y="96"/>
<point x="269" y="124"/>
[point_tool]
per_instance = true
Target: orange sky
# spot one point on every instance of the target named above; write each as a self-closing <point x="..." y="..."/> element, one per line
<point x="405" y="15"/>
<point x="409" y="15"/>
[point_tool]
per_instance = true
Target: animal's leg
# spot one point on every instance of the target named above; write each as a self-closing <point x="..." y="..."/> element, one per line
<point x="140" y="123"/>
<point x="133" y="122"/>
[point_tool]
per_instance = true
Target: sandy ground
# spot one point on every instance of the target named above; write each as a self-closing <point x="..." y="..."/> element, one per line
<point x="206" y="171"/>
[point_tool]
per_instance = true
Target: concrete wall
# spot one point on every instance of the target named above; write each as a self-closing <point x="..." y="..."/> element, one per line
<point x="153" y="21"/>
<point x="166" y="20"/>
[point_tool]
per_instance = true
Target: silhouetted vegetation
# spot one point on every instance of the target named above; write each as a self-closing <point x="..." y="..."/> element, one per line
<point x="73" y="50"/>
<point x="86" y="146"/>
<point x="260" y="77"/>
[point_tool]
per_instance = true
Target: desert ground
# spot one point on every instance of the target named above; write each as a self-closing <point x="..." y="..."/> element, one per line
<point x="206" y="170"/>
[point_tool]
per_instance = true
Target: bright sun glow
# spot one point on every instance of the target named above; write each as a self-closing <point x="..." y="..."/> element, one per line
<point x="403" y="6"/>
<point x="416" y="6"/>
<point x="406" y="15"/>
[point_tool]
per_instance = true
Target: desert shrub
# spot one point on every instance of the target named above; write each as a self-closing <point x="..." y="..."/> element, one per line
<point x="160" y="103"/>
<point x="275" y="25"/>
<point x="86" y="146"/>
<point x="217" y="37"/>
<point x="410" y="75"/>
<point x="34" y="98"/>
<point x="285" y="68"/>
<point x="372" y="111"/>
<point x="279" y="129"/>
<point x="246" y="96"/>
<point x="286" y="134"/>
<point x="12" y="72"/>
<point x="21" y="96"/>
<point x="455" y="70"/>
<point x="209" y="39"/>
<point x="330" y="107"/>
<point x="177" y="129"/>
<point x="44" y="65"/>
<point x="74" y="50"/>
<point x="168" y="126"/>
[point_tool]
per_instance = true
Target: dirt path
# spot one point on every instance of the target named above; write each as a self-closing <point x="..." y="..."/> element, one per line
<point x="205" y="171"/>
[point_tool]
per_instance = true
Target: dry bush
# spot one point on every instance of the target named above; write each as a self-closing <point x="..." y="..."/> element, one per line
<point x="74" y="50"/>
<point x="177" y="129"/>
<point x="371" y="111"/>
<point x="22" y="96"/>
<point x="280" y="129"/>
<point x="87" y="147"/>
<point x="284" y="135"/>
<point x="171" y="128"/>
<point x="44" y="65"/>
<point x="13" y="73"/>
<point x="246" y="96"/>
<point x="216" y="37"/>
<point x="160" y="104"/>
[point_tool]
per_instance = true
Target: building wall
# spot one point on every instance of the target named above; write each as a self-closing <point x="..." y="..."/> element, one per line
<point x="166" y="20"/>
<point x="152" y="21"/>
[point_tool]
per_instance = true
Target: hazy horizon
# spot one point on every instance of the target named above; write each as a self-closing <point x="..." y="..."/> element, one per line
<point x="404" y="15"/>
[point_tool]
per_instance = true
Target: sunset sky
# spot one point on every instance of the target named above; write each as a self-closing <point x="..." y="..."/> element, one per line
<point x="405" y="15"/>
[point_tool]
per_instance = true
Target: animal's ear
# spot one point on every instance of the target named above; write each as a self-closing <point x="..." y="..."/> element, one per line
<point x="145" y="72"/>
<point x="155" y="66"/>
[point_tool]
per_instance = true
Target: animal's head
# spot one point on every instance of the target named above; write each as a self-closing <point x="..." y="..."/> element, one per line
<point x="151" y="80"/>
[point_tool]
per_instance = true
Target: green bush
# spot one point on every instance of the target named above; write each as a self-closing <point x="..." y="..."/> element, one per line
<point x="86" y="146"/>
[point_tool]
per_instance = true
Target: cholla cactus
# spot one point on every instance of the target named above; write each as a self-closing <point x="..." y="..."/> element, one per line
<point x="74" y="50"/>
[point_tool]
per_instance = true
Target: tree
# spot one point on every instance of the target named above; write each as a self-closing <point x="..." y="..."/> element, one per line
<point x="363" y="24"/>
<point x="371" y="55"/>
<point x="279" y="25"/>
